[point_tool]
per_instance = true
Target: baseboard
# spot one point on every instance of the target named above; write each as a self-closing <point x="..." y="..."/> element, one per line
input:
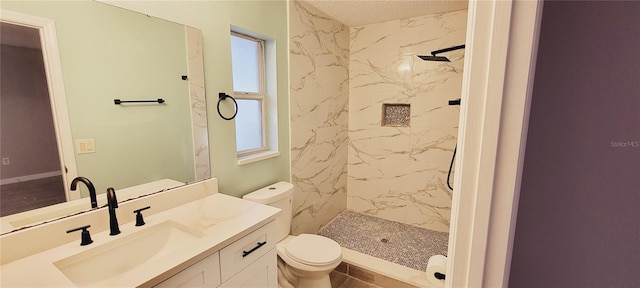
<point x="30" y="177"/>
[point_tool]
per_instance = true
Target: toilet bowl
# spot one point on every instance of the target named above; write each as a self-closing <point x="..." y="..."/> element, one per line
<point x="305" y="260"/>
<point x="309" y="259"/>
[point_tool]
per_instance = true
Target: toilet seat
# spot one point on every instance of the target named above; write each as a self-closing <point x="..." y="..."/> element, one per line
<point x="313" y="250"/>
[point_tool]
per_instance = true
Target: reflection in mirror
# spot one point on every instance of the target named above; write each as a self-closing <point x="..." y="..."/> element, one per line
<point x="105" y="53"/>
<point x="31" y="173"/>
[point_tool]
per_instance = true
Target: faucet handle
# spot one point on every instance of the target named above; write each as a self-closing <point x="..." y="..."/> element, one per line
<point x="85" y="236"/>
<point x="139" y="219"/>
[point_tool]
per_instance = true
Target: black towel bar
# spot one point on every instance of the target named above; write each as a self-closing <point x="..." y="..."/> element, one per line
<point x="118" y="101"/>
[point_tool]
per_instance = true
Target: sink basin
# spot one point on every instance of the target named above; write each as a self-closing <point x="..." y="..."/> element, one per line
<point x="104" y="265"/>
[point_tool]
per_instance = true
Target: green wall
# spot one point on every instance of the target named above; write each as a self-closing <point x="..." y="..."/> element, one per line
<point x="214" y="19"/>
<point x="106" y="53"/>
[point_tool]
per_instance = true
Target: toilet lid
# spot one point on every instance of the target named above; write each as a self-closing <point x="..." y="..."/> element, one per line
<point x="313" y="250"/>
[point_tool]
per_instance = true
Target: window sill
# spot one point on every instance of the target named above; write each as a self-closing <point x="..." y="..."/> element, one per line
<point x="257" y="157"/>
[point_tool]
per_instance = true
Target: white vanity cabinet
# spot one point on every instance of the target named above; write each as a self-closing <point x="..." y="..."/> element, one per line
<point x="262" y="273"/>
<point x="210" y="241"/>
<point x="250" y="261"/>
<point x="205" y="273"/>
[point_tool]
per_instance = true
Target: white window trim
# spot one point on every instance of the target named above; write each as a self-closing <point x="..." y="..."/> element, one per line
<point x="258" y="153"/>
<point x="242" y="160"/>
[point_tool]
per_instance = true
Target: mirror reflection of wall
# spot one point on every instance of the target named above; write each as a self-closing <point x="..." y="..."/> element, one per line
<point x="105" y="53"/>
<point x="31" y="174"/>
<point x="116" y="53"/>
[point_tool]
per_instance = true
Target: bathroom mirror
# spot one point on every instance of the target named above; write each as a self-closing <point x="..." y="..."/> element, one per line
<point x="108" y="53"/>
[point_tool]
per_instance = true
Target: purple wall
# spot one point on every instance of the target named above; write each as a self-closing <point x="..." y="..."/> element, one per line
<point x="579" y="214"/>
<point x="27" y="132"/>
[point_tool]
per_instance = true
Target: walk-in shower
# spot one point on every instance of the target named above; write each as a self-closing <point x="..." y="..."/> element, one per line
<point x="400" y="245"/>
<point x="346" y="157"/>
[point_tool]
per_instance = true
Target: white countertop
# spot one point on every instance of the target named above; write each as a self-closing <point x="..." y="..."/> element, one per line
<point x="220" y="218"/>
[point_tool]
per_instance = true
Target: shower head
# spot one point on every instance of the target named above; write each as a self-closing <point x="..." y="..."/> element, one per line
<point x="434" y="58"/>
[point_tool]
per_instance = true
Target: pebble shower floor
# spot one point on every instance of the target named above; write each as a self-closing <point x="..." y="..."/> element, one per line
<point x="400" y="243"/>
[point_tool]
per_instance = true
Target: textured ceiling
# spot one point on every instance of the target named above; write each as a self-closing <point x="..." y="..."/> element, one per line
<point x="361" y="12"/>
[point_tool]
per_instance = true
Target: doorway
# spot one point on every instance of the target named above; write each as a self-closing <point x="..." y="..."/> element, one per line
<point x="31" y="173"/>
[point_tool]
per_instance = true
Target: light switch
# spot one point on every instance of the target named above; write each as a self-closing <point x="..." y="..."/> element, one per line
<point x="85" y="146"/>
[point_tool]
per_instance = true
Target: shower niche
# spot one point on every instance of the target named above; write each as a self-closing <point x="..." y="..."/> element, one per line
<point x="396" y="115"/>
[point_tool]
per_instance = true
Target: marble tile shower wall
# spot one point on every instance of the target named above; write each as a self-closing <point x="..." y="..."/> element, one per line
<point x="399" y="173"/>
<point x="198" y="103"/>
<point x="319" y="77"/>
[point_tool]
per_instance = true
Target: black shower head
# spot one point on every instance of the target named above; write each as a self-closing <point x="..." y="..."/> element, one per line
<point x="434" y="58"/>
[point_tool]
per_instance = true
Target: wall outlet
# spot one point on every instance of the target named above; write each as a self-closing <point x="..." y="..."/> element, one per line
<point x="85" y="146"/>
<point x="6" y="161"/>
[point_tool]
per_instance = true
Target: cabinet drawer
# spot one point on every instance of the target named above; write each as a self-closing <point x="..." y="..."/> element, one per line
<point x="246" y="250"/>
<point x="262" y="273"/>
<point x="202" y="274"/>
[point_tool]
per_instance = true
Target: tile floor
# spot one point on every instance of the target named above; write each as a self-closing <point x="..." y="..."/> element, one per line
<point x="396" y="242"/>
<point x="28" y="195"/>
<point x="352" y="276"/>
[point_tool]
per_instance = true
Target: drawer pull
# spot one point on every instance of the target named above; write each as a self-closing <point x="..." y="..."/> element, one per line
<point x="260" y="244"/>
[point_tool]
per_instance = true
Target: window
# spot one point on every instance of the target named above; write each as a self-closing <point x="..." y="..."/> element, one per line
<point x="248" y="64"/>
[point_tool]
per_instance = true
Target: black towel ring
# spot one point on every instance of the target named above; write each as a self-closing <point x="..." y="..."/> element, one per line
<point x="222" y="96"/>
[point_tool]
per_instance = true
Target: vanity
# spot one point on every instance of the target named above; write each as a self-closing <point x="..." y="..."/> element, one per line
<point x="193" y="236"/>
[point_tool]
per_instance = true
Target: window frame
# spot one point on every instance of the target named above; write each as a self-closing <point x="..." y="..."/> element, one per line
<point x="260" y="96"/>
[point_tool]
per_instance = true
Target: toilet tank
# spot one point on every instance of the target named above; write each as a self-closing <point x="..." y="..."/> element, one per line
<point x="279" y="195"/>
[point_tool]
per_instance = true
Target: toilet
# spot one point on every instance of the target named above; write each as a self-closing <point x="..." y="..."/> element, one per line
<point x="305" y="260"/>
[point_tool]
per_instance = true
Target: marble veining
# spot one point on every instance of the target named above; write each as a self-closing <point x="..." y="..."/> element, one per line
<point x="319" y="80"/>
<point x="198" y="103"/>
<point x="399" y="173"/>
<point x="214" y="220"/>
<point x="340" y="79"/>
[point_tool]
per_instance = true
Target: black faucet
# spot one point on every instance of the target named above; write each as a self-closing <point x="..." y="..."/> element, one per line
<point x="92" y="190"/>
<point x="112" y="202"/>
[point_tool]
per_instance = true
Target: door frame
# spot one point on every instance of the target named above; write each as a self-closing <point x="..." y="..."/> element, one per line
<point x="57" y="96"/>
<point x="502" y="41"/>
